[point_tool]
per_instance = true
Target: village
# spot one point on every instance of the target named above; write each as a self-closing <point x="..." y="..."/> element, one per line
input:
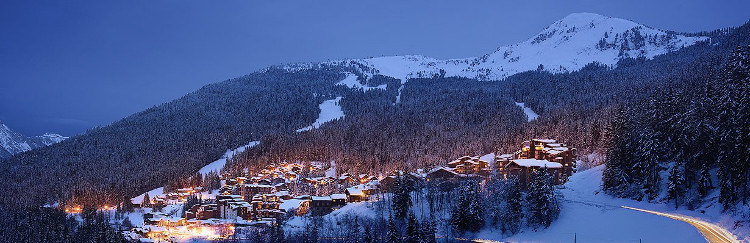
<point x="277" y="192"/>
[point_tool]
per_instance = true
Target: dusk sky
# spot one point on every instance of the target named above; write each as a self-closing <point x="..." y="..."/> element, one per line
<point x="67" y="66"/>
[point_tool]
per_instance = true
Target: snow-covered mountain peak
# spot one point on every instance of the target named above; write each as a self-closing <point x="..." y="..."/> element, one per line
<point x="566" y="45"/>
<point x="12" y="142"/>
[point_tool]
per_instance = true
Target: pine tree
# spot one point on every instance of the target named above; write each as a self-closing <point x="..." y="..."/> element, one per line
<point x="513" y="214"/>
<point x="541" y="200"/>
<point x="401" y="198"/>
<point x="427" y="231"/>
<point x="393" y="236"/>
<point x="468" y="213"/>
<point x="647" y="167"/>
<point x="276" y="234"/>
<point x="146" y="201"/>
<point x="368" y="235"/>
<point x="619" y="155"/>
<point x="354" y="234"/>
<point x="127" y="224"/>
<point x="731" y="93"/>
<point x="704" y="182"/>
<point x="412" y="229"/>
<point x="127" y="205"/>
<point x="675" y="185"/>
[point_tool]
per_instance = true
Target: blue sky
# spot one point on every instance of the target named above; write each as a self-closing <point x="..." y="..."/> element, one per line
<point x="66" y="66"/>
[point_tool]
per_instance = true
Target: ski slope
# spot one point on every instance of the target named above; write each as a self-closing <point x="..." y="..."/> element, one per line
<point x="329" y="110"/>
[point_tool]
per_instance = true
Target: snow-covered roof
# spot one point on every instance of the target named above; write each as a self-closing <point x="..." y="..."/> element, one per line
<point x="338" y="196"/>
<point x="544" y="140"/>
<point x="317" y="198"/>
<point x="157" y="229"/>
<point x="536" y="163"/>
<point x="291" y="204"/>
<point x="354" y="191"/>
<point x="441" y="168"/>
<point x="258" y="185"/>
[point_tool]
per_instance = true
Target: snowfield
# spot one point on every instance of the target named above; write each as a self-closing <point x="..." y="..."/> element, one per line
<point x="530" y="114"/>
<point x="352" y="82"/>
<point x="329" y="110"/>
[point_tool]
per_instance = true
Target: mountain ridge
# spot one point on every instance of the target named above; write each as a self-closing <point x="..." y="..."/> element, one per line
<point x="12" y="142"/>
<point x="578" y="39"/>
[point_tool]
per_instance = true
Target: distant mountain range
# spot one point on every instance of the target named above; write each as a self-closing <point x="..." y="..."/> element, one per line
<point x="12" y="142"/>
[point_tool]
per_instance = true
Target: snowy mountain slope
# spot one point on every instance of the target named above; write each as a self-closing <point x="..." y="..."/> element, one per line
<point x="567" y="45"/>
<point x="12" y="142"/>
<point x="329" y="110"/>
<point x="590" y="215"/>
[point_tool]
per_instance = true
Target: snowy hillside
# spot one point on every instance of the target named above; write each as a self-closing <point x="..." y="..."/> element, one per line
<point x="590" y="215"/>
<point x="567" y="45"/>
<point x="12" y="142"/>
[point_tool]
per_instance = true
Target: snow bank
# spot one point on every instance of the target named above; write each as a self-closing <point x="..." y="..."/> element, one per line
<point x="329" y="110"/>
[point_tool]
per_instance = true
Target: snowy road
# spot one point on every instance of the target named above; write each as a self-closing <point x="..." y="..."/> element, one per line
<point x="713" y="233"/>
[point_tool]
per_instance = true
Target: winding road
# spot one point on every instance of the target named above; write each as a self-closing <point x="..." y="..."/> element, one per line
<point x="713" y="233"/>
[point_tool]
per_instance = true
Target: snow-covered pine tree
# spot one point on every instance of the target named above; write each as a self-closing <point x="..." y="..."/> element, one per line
<point x="401" y="198"/>
<point x="393" y="235"/>
<point x="541" y="200"/>
<point x="732" y="96"/>
<point x="428" y="231"/>
<point x="412" y="229"/>
<point x="647" y="167"/>
<point x="468" y="213"/>
<point x="367" y="237"/>
<point x="675" y="187"/>
<point x="146" y="203"/>
<point x="495" y="198"/>
<point x="704" y="182"/>
<point x="354" y="235"/>
<point x="513" y="214"/>
<point x="619" y="155"/>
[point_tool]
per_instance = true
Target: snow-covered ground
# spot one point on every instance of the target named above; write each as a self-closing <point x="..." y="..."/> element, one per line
<point x="530" y="114"/>
<point x="219" y="163"/>
<point x="592" y="216"/>
<point x="151" y="194"/>
<point x="329" y="110"/>
<point x="352" y="82"/>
